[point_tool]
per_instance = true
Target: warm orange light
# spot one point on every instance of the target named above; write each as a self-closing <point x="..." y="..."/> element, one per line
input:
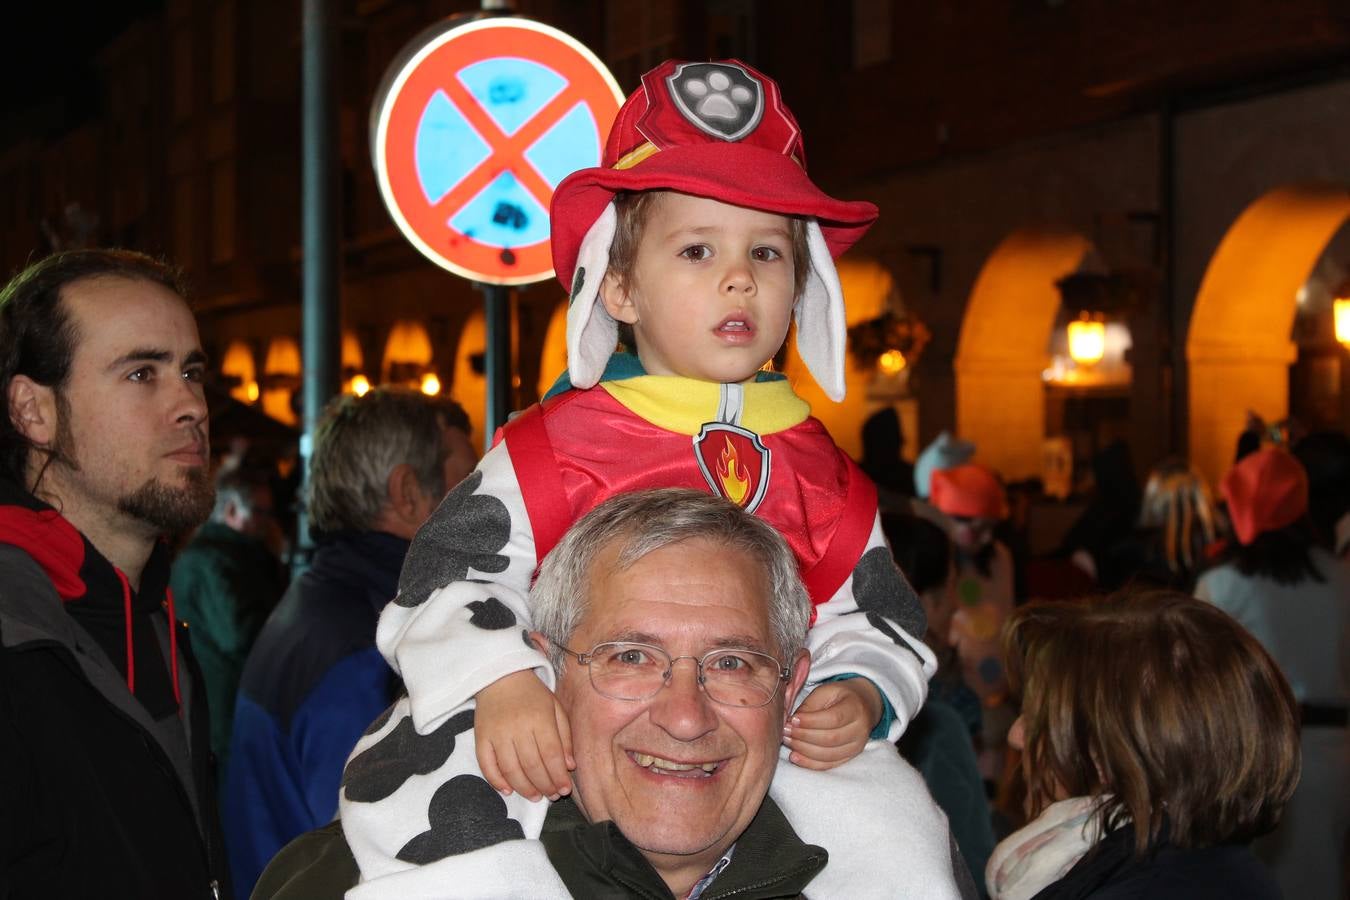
<point x="1342" y="313"/>
<point x="360" y="385"/>
<point x="1087" y="341"/>
<point x="238" y="364"/>
<point x="892" y="362"/>
<point x="431" y="385"/>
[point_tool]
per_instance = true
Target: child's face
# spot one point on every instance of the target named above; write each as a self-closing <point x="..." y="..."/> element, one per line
<point x="712" y="290"/>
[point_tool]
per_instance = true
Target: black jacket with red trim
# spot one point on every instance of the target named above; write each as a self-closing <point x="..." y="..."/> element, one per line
<point x="105" y="788"/>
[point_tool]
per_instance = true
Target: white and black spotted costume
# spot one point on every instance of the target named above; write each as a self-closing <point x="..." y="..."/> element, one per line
<point x="419" y="817"/>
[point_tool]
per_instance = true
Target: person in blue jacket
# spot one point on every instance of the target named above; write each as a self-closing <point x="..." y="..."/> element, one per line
<point x="314" y="680"/>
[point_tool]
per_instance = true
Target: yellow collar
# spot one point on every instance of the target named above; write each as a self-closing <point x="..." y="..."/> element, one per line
<point x="683" y="405"/>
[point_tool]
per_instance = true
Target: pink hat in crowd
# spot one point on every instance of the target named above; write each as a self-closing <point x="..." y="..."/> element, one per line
<point x="1266" y="491"/>
<point x="971" y="491"/>
<point x="718" y="130"/>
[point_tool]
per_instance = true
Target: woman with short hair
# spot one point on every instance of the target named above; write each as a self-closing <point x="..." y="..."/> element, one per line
<point x="1158" y="739"/>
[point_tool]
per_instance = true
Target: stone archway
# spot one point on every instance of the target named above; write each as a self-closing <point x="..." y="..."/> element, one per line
<point x="1238" y="345"/>
<point x="1002" y="353"/>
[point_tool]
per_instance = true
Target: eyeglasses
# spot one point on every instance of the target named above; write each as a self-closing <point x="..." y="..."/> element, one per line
<point x="623" y="670"/>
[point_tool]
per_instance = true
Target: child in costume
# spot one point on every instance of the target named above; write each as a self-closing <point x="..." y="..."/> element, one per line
<point x="701" y="231"/>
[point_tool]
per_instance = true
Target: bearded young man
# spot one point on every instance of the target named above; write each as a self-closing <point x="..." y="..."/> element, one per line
<point x="104" y="759"/>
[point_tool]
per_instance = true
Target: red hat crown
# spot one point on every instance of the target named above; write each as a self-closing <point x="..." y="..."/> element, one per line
<point x="971" y="491"/>
<point x="1266" y="491"/>
<point x="683" y="104"/>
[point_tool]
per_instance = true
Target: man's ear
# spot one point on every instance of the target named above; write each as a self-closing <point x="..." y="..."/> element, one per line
<point x="617" y="299"/>
<point x="32" y="410"/>
<point x="800" y="668"/>
<point x="405" y="493"/>
<point x="540" y="642"/>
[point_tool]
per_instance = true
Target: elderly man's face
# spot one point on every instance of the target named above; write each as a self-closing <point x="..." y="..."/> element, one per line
<point x="687" y="598"/>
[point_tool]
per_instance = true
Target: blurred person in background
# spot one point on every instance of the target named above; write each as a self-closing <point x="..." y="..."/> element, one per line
<point x="1326" y="457"/>
<point x="225" y="582"/>
<point x="883" y="439"/>
<point x="945" y="452"/>
<point x="972" y="498"/>
<point x="314" y="679"/>
<point x="1111" y="513"/>
<point x="1294" y="596"/>
<point x="1179" y="526"/>
<point x="1158" y="740"/>
<point x="940" y="741"/>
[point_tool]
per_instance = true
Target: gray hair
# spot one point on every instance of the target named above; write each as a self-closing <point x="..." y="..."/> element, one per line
<point x="238" y="488"/>
<point x="646" y="521"/>
<point x="360" y="440"/>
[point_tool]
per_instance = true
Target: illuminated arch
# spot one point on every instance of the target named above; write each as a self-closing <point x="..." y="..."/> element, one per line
<point x="281" y="378"/>
<point x="238" y="364"/>
<point x="1001" y="356"/>
<point x="869" y="292"/>
<point x="469" y="385"/>
<point x="1238" y="345"/>
<point x="407" y="352"/>
<point x="553" y="355"/>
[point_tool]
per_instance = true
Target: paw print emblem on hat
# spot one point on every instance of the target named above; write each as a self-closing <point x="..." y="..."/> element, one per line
<point x="719" y="99"/>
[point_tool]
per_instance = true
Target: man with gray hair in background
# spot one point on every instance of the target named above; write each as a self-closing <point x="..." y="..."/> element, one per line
<point x="675" y="624"/>
<point x="314" y="680"/>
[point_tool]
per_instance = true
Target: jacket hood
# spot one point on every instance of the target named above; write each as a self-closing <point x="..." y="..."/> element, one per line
<point x="95" y="592"/>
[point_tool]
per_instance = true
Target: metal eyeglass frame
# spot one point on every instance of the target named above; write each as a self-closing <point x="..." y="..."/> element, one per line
<point x="585" y="658"/>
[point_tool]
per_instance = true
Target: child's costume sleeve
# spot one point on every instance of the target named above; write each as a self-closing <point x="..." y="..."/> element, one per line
<point x="872" y="627"/>
<point x="461" y="617"/>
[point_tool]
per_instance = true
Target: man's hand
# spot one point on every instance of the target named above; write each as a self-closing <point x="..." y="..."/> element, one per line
<point x="833" y="723"/>
<point x="523" y="740"/>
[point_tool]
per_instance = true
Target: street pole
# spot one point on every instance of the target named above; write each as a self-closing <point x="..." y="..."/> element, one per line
<point x="320" y="235"/>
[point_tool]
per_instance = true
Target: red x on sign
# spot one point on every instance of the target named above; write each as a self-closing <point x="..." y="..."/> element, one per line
<point x="475" y="124"/>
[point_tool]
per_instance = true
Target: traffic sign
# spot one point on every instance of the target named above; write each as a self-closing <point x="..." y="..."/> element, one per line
<point x="475" y="124"/>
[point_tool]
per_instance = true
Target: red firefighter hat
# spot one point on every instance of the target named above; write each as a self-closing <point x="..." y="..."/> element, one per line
<point x="1266" y="491"/>
<point x="971" y="491"/>
<point x="718" y="130"/>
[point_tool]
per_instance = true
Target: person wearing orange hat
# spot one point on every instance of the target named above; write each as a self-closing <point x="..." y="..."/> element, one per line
<point x="974" y="502"/>
<point x="1294" y="596"/>
<point x="694" y="244"/>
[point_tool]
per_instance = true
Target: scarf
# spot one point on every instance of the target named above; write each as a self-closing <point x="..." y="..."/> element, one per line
<point x="1043" y="851"/>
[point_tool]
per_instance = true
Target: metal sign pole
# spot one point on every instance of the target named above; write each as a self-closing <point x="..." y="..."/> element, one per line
<point x="497" y="311"/>
<point x="320" y="186"/>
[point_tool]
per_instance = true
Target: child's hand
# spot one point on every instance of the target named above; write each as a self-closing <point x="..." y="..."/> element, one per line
<point x="523" y="739"/>
<point x="833" y="723"/>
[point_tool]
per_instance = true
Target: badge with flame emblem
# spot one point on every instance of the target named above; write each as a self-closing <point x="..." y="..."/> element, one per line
<point x="734" y="462"/>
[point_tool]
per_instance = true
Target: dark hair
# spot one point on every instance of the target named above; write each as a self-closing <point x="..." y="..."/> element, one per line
<point x="634" y="208"/>
<point x="37" y="336"/>
<point x="1163" y="708"/>
<point x="1326" y="457"/>
<point x="921" y="549"/>
<point x="1283" y="555"/>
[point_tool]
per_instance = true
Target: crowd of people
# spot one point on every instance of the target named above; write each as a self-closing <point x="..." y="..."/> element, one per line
<point x="664" y="639"/>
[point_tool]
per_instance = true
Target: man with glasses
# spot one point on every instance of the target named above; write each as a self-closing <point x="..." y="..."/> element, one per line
<point x="674" y="622"/>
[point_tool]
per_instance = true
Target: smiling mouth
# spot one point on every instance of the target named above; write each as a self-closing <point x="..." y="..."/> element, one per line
<point x="661" y="766"/>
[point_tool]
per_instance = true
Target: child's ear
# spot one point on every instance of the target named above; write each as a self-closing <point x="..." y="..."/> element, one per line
<point x="618" y="302"/>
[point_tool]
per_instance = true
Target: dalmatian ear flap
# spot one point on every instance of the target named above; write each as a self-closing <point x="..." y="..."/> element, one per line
<point x="591" y="332"/>
<point x="822" y="332"/>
